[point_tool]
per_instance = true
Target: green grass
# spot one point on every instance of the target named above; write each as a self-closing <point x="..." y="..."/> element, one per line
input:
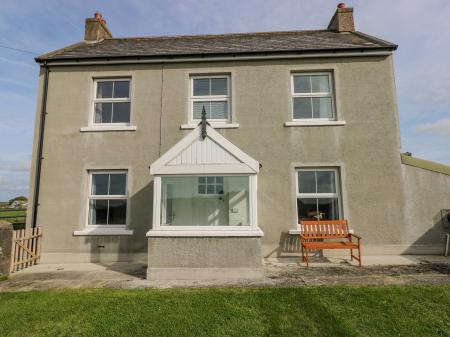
<point x="18" y="215"/>
<point x="3" y="278"/>
<point x="306" y="311"/>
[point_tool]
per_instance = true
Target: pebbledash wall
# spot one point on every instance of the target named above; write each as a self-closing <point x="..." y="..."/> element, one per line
<point x="391" y="206"/>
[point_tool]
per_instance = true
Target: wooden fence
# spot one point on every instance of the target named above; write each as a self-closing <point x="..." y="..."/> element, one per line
<point x="26" y="248"/>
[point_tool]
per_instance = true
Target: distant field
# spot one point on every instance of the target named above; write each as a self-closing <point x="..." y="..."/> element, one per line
<point x="13" y="215"/>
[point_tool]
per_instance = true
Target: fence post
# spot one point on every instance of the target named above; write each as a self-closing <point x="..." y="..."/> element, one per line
<point x="6" y="242"/>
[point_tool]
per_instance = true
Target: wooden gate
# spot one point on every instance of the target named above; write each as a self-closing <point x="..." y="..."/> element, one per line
<point x="26" y="248"/>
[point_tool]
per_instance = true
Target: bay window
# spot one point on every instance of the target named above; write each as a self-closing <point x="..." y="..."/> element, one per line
<point x="205" y="201"/>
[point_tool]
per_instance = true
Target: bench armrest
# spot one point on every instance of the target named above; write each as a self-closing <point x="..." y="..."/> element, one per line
<point x="356" y="236"/>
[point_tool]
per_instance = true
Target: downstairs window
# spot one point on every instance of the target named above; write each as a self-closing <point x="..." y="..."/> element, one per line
<point x="318" y="196"/>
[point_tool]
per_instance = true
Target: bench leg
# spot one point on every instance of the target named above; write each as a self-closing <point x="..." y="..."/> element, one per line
<point x="303" y="253"/>
<point x="359" y="255"/>
<point x="306" y="258"/>
<point x="351" y="254"/>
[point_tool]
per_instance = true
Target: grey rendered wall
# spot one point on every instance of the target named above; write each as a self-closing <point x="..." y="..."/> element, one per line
<point x="426" y="194"/>
<point x="366" y="149"/>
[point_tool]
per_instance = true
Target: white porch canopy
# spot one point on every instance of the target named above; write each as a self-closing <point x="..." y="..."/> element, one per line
<point x="205" y="186"/>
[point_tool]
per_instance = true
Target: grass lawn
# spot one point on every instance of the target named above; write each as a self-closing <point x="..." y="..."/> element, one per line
<point x="410" y="311"/>
<point x="13" y="215"/>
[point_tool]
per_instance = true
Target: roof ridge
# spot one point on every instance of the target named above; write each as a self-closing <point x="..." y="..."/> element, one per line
<point x="219" y="35"/>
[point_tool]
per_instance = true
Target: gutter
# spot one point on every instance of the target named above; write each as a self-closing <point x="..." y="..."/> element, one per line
<point x="37" y="176"/>
<point x="233" y="57"/>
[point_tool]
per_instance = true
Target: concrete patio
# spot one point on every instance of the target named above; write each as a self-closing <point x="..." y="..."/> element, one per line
<point x="280" y="272"/>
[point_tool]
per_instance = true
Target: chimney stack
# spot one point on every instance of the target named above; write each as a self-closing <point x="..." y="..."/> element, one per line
<point x="95" y="29"/>
<point x="342" y="20"/>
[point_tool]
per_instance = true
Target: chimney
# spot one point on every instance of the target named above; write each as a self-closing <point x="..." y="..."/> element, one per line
<point x="95" y="29"/>
<point x="342" y="20"/>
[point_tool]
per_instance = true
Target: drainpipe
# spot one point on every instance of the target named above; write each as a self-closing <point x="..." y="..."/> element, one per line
<point x="37" y="176"/>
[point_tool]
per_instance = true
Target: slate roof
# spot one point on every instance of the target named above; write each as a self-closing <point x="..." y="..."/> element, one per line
<point x="216" y="45"/>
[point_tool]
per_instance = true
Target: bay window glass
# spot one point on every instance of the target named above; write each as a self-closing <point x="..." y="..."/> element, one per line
<point x="108" y="198"/>
<point x="318" y="194"/>
<point x="205" y="201"/>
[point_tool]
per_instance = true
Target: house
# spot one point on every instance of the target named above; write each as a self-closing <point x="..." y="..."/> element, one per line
<point x="200" y="154"/>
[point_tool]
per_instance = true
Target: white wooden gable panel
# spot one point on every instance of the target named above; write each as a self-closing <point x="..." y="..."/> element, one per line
<point x="203" y="152"/>
<point x="212" y="155"/>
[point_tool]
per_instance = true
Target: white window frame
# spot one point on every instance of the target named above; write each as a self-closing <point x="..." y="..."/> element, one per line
<point x="107" y="197"/>
<point x="110" y="100"/>
<point x="250" y="230"/>
<point x="329" y="94"/>
<point x="209" y="98"/>
<point x="337" y="194"/>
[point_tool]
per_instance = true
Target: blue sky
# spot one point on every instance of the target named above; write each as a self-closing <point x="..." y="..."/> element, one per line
<point x="420" y="27"/>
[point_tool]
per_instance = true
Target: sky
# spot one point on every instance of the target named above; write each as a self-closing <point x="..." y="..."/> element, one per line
<point x="421" y="28"/>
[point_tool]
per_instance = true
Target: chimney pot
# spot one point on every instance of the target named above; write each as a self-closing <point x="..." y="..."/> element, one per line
<point x="95" y="28"/>
<point x="342" y="20"/>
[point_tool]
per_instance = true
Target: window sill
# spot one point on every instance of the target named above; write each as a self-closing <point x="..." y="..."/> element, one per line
<point x="213" y="125"/>
<point x="108" y="128"/>
<point x="315" y="123"/>
<point x="204" y="233"/>
<point x="103" y="231"/>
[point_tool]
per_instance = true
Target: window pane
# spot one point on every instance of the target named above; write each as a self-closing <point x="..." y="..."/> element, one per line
<point x="198" y="106"/>
<point x="104" y="89"/>
<point x="117" y="184"/>
<point x="326" y="182"/>
<point x="307" y="209"/>
<point x="320" y="83"/>
<point x="121" y="112"/>
<point x="201" y="189"/>
<point x="121" y="89"/>
<point x="201" y="87"/>
<point x="202" y="180"/>
<point x="329" y="208"/>
<point x="100" y="184"/>
<point x="322" y="107"/>
<point x="302" y="84"/>
<point x="219" y="110"/>
<point x="210" y="189"/>
<point x="189" y="208"/>
<point x="219" y="86"/>
<point x="302" y="108"/>
<point x="98" y="212"/>
<point x="210" y="180"/>
<point x="117" y="212"/>
<point x="306" y="182"/>
<point x="103" y="112"/>
<point x="219" y="180"/>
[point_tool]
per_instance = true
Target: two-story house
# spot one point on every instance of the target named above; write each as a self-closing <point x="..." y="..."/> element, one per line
<point x="201" y="154"/>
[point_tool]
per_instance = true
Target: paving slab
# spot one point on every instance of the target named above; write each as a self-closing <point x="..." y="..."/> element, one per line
<point x="279" y="272"/>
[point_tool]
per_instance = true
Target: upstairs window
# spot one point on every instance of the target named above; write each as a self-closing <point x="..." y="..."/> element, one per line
<point x="312" y="97"/>
<point x="318" y="196"/>
<point x="112" y="102"/>
<point x="212" y="93"/>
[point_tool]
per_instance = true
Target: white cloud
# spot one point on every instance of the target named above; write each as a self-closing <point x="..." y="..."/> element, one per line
<point x="440" y="127"/>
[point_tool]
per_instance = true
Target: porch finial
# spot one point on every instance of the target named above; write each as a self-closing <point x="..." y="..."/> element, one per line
<point x="204" y="123"/>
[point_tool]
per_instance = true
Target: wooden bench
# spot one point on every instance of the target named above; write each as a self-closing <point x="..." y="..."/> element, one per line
<point x="315" y="233"/>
